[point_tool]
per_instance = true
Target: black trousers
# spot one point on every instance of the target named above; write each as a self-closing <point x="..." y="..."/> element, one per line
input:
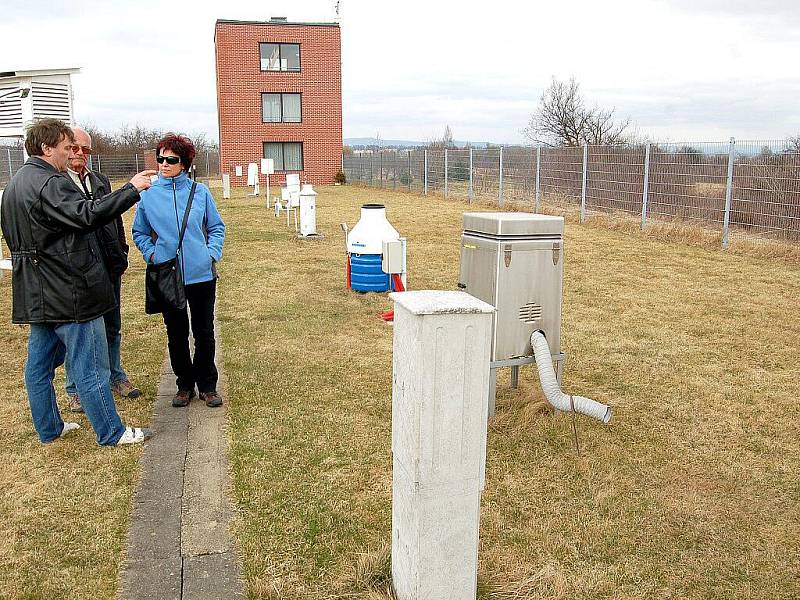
<point x="201" y="370"/>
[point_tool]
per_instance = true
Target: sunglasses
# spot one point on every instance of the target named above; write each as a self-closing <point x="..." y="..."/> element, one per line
<point x="171" y="160"/>
<point x="85" y="149"/>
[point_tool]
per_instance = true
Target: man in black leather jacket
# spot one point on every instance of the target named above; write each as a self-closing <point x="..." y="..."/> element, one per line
<point x="60" y="284"/>
<point x="114" y="250"/>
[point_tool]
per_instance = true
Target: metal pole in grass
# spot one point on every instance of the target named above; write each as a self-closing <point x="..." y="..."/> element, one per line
<point x="136" y="158"/>
<point x="538" y="204"/>
<point x="409" y="169"/>
<point x="583" y="187"/>
<point x="471" y="193"/>
<point x="646" y="183"/>
<point x="10" y="171"/>
<point x="425" y="167"/>
<point x="728" y="196"/>
<point x="99" y="170"/>
<point x="394" y="172"/>
<point x="445" y="172"/>
<point x="380" y="166"/>
<point x="500" y="187"/>
<point x="208" y="173"/>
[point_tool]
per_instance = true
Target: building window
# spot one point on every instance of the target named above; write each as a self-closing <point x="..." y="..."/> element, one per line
<point x="288" y="156"/>
<point x="280" y="57"/>
<point x="281" y="108"/>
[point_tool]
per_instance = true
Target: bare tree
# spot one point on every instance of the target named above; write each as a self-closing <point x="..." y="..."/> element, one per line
<point x="129" y="140"/>
<point x="564" y="119"/>
<point x="793" y="144"/>
<point x="446" y="141"/>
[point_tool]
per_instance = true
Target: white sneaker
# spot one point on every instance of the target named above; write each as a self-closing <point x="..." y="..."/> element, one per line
<point x="135" y="435"/>
<point x="69" y="427"/>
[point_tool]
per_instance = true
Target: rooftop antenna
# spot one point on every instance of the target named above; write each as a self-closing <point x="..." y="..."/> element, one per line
<point x="337" y="10"/>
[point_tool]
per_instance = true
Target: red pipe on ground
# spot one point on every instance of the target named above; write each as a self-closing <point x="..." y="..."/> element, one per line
<point x="388" y="316"/>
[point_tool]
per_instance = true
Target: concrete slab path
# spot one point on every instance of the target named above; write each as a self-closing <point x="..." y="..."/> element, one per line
<point x="179" y="544"/>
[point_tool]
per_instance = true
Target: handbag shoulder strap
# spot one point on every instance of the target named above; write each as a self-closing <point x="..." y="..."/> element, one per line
<point x="186" y="214"/>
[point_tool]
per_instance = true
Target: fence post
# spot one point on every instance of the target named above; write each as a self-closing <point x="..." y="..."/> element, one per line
<point x="728" y="198"/>
<point x="208" y="170"/>
<point x="585" y="177"/>
<point x="538" y="203"/>
<point x="445" y="172"/>
<point x="10" y="169"/>
<point x="425" y="167"/>
<point x="646" y="183"/>
<point x="380" y="166"/>
<point x="408" y="152"/>
<point x="99" y="169"/>
<point x="500" y="187"/>
<point x="136" y="158"/>
<point x="471" y="192"/>
<point x="394" y="172"/>
<point x="372" y="167"/>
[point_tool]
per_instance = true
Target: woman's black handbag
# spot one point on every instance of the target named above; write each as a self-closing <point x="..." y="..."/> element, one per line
<point x="163" y="283"/>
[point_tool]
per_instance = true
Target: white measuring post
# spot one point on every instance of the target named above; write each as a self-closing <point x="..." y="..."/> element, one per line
<point x="267" y="169"/>
<point x="226" y="186"/>
<point x="442" y="343"/>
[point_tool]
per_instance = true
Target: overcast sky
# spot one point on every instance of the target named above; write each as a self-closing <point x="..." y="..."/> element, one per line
<point x="681" y="70"/>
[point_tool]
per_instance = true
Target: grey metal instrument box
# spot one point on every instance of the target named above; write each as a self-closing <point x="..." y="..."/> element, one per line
<point x="515" y="261"/>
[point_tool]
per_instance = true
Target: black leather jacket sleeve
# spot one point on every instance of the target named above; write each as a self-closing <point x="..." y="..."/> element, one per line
<point x="64" y="206"/>
<point x="123" y="242"/>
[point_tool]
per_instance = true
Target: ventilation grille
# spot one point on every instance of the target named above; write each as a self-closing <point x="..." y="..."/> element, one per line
<point x="51" y="100"/>
<point x="10" y="107"/>
<point x="530" y="312"/>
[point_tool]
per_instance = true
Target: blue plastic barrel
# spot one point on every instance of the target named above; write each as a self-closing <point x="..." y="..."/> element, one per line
<point x="366" y="274"/>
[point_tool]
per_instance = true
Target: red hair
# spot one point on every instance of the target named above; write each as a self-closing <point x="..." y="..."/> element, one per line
<point x="180" y="145"/>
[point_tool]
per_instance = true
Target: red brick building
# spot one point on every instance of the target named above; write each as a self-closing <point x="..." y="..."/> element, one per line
<point x="279" y="96"/>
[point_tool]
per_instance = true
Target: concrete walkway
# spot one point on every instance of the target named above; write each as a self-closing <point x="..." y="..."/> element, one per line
<point x="179" y="545"/>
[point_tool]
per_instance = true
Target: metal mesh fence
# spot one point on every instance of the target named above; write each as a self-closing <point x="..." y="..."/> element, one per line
<point x="11" y="159"/>
<point x="615" y="179"/>
<point x="113" y="166"/>
<point x="743" y="189"/>
<point x="688" y="183"/>
<point x="766" y="185"/>
<point x="561" y="175"/>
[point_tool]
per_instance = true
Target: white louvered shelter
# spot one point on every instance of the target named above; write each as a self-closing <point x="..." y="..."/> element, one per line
<point x="35" y="94"/>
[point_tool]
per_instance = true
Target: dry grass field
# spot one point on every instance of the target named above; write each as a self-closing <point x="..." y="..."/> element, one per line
<point x="692" y="491"/>
<point x="64" y="506"/>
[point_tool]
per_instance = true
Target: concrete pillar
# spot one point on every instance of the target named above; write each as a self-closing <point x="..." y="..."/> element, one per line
<point x="442" y="343"/>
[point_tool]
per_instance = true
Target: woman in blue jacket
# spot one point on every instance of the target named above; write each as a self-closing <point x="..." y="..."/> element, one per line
<point x="155" y="232"/>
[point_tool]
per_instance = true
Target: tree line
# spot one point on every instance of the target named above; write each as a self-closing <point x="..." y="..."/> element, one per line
<point x="132" y="139"/>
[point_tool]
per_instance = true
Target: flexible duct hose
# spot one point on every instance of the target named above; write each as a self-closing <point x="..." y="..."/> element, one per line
<point x="558" y="399"/>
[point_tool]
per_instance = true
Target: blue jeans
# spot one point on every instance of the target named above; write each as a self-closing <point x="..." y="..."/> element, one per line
<point x="84" y="346"/>
<point x="111" y="321"/>
<point x="113" y="324"/>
